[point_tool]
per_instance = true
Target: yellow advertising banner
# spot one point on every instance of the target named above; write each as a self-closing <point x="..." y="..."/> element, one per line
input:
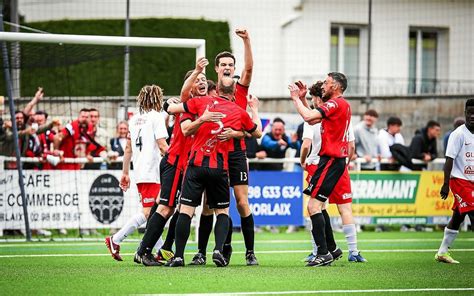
<point x="394" y="194"/>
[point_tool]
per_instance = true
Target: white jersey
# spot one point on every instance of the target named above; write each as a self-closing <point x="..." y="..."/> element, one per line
<point x="386" y="140"/>
<point x="313" y="132"/>
<point x="461" y="149"/>
<point x="145" y="129"/>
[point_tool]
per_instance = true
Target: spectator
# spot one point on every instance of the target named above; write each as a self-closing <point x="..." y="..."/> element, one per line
<point x="276" y="143"/>
<point x="366" y="139"/>
<point x="423" y="144"/>
<point x="97" y="136"/>
<point x="29" y="110"/>
<point x="6" y="133"/>
<point x="74" y="141"/>
<point x="458" y="121"/>
<point x="386" y="138"/>
<point x="119" y="143"/>
<point x="99" y="133"/>
<point x="47" y="143"/>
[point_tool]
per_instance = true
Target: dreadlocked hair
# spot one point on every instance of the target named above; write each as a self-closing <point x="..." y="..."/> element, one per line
<point x="150" y="98"/>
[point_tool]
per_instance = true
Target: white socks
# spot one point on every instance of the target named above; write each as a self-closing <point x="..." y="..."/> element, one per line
<point x="448" y="239"/>
<point x="159" y="244"/>
<point x="350" y="232"/>
<point x="132" y="224"/>
<point x="315" y="247"/>
<point x="351" y="237"/>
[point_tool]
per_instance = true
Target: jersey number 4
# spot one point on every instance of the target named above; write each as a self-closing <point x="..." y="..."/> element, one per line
<point x="138" y="140"/>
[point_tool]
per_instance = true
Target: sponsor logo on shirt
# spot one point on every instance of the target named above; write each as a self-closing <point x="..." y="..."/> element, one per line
<point x="469" y="170"/>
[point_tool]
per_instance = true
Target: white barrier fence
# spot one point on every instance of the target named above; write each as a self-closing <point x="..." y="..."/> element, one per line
<point x="77" y="199"/>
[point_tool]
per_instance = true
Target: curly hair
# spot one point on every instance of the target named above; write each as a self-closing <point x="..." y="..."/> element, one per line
<point x="150" y="98"/>
<point x="316" y="89"/>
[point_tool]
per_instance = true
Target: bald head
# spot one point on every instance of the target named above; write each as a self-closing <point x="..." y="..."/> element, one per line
<point x="226" y="86"/>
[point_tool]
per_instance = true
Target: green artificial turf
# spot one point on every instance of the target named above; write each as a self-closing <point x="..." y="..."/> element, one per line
<point x="396" y="261"/>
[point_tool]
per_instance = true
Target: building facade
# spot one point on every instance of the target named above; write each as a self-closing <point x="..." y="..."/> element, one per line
<point x="418" y="46"/>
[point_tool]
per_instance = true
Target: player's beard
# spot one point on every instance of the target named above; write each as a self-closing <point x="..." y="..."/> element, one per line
<point x="326" y="97"/>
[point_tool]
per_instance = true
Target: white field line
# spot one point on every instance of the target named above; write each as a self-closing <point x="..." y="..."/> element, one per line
<point x="331" y="291"/>
<point x="236" y="252"/>
<point x="97" y="242"/>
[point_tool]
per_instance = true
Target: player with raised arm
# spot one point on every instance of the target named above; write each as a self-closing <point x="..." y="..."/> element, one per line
<point x="146" y="145"/>
<point x="459" y="177"/>
<point x="238" y="167"/>
<point x="172" y="168"/>
<point x="342" y="194"/>
<point x="335" y="116"/>
<point x="208" y="164"/>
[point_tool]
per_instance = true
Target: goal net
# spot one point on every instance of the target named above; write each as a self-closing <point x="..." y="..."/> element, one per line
<point x="77" y="72"/>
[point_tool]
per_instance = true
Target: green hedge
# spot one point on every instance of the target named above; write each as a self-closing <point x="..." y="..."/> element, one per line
<point x="98" y="70"/>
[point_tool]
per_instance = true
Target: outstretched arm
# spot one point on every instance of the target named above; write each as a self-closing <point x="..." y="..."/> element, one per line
<point x="303" y="90"/>
<point x="253" y="103"/>
<point x="246" y="76"/>
<point x="310" y="116"/>
<point x="31" y="105"/>
<point x="201" y="64"/>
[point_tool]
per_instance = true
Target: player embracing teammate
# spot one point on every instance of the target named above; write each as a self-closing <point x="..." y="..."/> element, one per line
<point x="342" y="193"/>
<point x="238" y="167"/>
<point x="331" y="170"/>
<point x="209" y="163"/>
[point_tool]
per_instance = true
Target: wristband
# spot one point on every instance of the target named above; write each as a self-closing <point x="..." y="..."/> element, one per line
<point x="166" y="106"/>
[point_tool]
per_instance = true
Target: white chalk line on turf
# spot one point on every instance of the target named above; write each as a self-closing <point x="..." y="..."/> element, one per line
<point x="97" y="242"/>
<point x="331" y="291"/>
<point x="235" y="252"/>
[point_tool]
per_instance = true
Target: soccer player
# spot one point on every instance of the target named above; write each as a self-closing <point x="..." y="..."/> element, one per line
<point x="208" y="165"/>
<point x="147" y="144"/>
<point x="172" y="167"/>
<point x="335" y="115"/>
<point x="459" y="177"/>
<point x="238" y="168"/>
<point x="341" y="195"/>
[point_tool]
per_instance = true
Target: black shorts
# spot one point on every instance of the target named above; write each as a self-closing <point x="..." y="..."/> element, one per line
<point x="214" y="181"/>
<point x="238" y="168"/>
<point x="171" y="180"/>
<point x="325" y="178"/>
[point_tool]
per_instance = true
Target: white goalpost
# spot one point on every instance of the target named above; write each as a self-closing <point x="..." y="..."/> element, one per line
<point x="198" y="44"/>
